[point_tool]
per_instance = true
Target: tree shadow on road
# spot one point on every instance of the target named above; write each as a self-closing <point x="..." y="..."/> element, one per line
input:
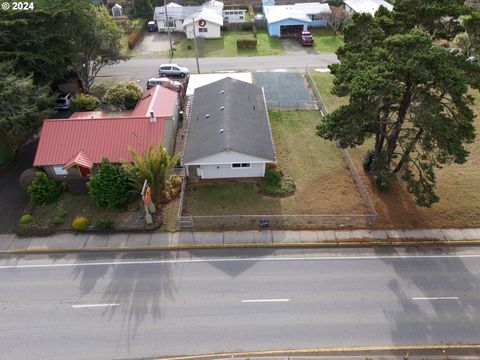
<point x="140" y="290"/>
<point x="429" y="320"/>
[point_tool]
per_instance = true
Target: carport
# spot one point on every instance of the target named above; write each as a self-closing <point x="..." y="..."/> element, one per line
<point x="290" y="30"/>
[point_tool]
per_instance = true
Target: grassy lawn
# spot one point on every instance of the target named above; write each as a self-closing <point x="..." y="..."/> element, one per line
<point x="227" y="45"/>
<point x="325" y="41"/>
<point x="323" y="184"/>
<point x="457" y="185"/>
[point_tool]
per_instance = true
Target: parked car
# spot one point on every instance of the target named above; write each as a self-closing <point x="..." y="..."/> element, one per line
<point x="152" y="26"/>
<point x="305" y="38"/>
<point x="172" y="70"/>
<point x="472" y="59"/>
<point x="156" y="81"/>
<point x="64" y="100"/>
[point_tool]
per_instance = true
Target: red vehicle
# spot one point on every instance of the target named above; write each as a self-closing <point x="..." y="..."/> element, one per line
<point x="305" y="38"/>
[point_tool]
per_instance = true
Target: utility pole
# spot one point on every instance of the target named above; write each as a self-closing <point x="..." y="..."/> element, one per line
<point x="168" y="29"/>
<point x="195" y="45"/>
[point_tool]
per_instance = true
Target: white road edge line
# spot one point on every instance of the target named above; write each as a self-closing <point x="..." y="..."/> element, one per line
<point x="265" y="300"/>
<point x="92" y="305"/>
<point x="436" y="298"/>
<point x="218" y="260"/>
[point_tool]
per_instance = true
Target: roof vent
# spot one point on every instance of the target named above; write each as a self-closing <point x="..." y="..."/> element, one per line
<point x="152" y="119"/>
<point x="207" y="116"/>
<point x="220" y="131"/>
<point x="223" y="107"/>
<point x="222" y="92"/>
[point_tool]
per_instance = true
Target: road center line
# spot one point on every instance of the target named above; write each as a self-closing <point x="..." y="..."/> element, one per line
<point x="253" y="259"/>
<point x="436" y="298"/>
<point x="265" y="300"/>
<point x="92" y="305"/>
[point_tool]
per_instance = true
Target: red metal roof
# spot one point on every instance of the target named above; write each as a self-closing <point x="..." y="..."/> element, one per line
<point x="158" y="99"/>
<point x="61" y="140"/>
<point x="80" y="159"/>
<point x="100" y="114"/>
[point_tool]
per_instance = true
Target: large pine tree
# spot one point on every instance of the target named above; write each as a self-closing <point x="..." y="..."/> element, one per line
<point x="406" y="91"/>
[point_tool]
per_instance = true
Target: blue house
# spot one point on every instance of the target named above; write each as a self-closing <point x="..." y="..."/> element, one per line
<point x="287" y="20"/>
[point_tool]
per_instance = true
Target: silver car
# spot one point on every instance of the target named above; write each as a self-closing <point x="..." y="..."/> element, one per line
<point x="173" y="70"/>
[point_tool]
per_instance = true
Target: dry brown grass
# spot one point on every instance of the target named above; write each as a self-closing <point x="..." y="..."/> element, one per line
<point x="324" y="185"/>
<point x="457" y="185"/>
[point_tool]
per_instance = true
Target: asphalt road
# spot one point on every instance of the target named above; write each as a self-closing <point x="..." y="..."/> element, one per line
<point x="131" y="305"/>
<point x="143" y="69"/>
<point x="13" y="198"/>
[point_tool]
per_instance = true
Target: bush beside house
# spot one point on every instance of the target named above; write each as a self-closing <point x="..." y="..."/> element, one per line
<point x="277" y="183"/>
<point x="110" y="187"/>
<point x="123" y="95"/>
<point x="43" y="190"/>
<point x="84" y="102"/>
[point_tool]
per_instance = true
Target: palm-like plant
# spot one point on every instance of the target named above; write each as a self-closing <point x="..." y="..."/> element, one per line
<point x="154" y="165"/>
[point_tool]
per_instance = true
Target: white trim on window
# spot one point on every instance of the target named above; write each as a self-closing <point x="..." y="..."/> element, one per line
<point x="241" y="165"/>
<point x="59" y="170"/>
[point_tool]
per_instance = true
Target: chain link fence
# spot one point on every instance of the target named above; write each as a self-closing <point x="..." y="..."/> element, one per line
<point x="289" y="221"/>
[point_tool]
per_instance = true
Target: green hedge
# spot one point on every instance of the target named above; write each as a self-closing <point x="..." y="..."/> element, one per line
<point x="136" y="35"/>
<point x="246" y="43"/>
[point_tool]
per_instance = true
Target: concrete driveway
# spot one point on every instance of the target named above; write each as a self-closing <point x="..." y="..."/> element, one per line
<point x="13" y="199"/>
<point x="291" y="46"/>
<point x="285" y="90"/>
<point x="155" y="44"/>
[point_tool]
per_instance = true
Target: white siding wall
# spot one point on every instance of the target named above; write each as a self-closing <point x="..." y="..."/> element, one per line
<point x="213" y="31"/>
<point x="225" y="171"/>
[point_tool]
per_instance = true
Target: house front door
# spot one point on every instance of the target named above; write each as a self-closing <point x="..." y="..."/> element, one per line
<point x="84" y="171"/>
<point x="200" y="172"/>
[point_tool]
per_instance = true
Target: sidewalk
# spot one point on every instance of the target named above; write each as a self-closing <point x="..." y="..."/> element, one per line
<point x="10" y="243"/>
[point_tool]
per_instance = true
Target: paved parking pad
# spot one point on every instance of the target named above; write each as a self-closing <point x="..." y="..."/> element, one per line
<point x="285" y="90"/>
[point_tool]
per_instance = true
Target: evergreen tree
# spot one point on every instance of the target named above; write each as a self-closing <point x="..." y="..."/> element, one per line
<point x="408" y="93"/>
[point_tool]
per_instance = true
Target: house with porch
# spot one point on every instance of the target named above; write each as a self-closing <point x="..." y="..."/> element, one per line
<point x="289" y="20"/>
<point x="73" y="148"/>
<point x="229" y="134"/>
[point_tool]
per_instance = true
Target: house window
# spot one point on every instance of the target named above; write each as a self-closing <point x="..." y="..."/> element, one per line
<point x="243" y="165"/>
<point x="170" y="24"/>
<point x="240" y="17"/>
<point x="203" y="30"/>
<point x="59" y="170"/>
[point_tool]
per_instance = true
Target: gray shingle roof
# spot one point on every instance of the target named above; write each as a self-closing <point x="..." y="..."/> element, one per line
<point x="242" y="125"/>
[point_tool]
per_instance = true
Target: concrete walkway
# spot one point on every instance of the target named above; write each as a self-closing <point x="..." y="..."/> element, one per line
<point x="10" y="243"/>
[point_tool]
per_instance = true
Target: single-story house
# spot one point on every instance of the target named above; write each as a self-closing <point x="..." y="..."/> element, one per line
<point x="74" y="147"/>
<point x="365" y="6"/>
<point x="287" y="20"/>
<point x="207" y="24"/>
<point x="229" y="134"/>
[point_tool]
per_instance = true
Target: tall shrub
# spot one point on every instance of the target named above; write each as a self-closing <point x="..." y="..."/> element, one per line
<point x="123" y="95"/>
<point x="110" y="187"/>
<point x="43" y="190"/>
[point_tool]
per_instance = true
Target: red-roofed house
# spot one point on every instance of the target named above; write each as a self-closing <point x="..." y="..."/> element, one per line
<point x="73" y="147"/>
